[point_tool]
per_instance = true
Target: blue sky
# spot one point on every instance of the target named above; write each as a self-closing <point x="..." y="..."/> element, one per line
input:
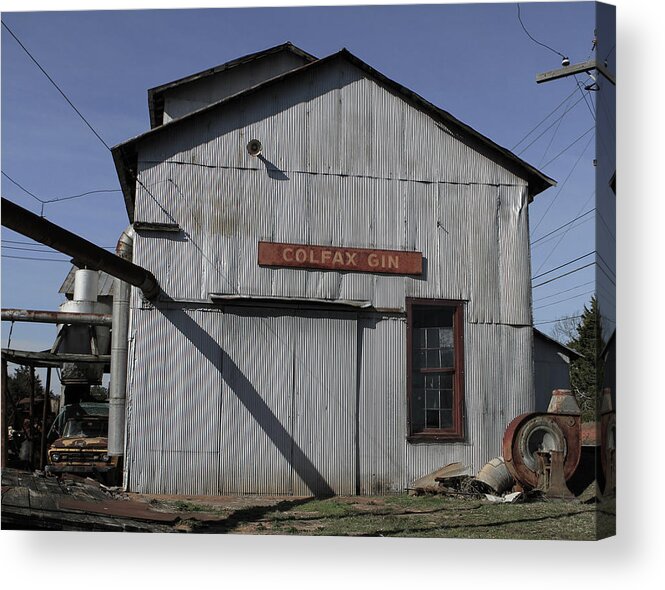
<point x="474" y="61"/>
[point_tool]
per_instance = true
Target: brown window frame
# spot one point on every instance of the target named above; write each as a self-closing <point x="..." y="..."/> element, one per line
<point x="456" y="432"/>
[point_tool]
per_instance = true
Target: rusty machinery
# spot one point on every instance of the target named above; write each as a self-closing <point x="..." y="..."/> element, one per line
<point x="542" y="450"/>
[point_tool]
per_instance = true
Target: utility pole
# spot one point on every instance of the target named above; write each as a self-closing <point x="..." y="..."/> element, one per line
<point x="571" y="70"/>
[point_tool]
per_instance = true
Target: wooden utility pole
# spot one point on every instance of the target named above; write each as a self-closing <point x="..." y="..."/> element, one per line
<point x="571" y="70"/>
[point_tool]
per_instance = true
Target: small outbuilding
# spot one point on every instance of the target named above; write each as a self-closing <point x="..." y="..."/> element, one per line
<point x="345" y="274"/>
<point x="551" y="367"/>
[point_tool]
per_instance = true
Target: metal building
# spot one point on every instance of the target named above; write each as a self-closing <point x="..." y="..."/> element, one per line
<point x="345" y="277"/>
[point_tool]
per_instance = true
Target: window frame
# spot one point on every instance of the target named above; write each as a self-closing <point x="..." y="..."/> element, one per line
<point x="456" y="432"/>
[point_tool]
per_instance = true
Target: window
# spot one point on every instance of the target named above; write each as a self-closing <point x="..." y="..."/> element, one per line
<point x="435" y="365"/>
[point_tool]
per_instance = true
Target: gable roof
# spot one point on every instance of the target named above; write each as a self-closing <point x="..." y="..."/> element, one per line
<point x="156" y="94"/>
<point x="125" y="154"/>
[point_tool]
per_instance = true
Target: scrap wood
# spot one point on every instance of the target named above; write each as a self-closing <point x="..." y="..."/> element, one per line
<point x="431" y="480"/>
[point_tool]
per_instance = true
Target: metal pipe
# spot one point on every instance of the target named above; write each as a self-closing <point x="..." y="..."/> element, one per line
<point x="119" y="351"/>
<point x="84" y="252"/>
<point x="55" y="317"/>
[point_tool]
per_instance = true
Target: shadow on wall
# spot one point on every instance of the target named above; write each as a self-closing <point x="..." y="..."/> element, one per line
<point x="253" y="402"/>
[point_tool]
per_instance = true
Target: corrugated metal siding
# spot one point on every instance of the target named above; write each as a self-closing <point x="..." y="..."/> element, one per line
<point x="382" y="404"/>
<point x="273" y="402"/>
<point x="297" y="402"/>
<point x="332" y="175"/>
<point x="253" y="404"/>
<point x="173" y="441"/>
<point x="496" y="390"/>
<point x="191" y="96"/>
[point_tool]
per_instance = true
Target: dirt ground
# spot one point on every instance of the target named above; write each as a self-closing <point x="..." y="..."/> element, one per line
<point x="390" y="516"/>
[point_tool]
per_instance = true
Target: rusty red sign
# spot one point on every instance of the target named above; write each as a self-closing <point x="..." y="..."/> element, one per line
<point x="338" y="258"/>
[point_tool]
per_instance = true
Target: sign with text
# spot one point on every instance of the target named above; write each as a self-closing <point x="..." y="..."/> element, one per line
<point x="342" y="259"/>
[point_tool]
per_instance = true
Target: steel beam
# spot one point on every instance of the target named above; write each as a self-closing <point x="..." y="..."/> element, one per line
<point x="85" y="253"/>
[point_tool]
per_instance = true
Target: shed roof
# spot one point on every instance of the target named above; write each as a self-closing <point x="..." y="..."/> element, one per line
<point x="568" y="351"/>
<point x="156" y="94"/>
<point x="125" y="154"/>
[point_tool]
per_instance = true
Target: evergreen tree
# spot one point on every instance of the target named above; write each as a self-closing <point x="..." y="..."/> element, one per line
<point x="19" y="384"/>
<point x="586" y="373"/>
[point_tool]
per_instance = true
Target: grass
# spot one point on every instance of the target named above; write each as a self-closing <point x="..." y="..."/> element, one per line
<point x="409" y="516"/>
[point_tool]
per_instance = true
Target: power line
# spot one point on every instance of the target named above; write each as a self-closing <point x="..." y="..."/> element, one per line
<point x="58" y="199"/>
<point x="564" y="184"/>
<point x="552" y="124"/>
<point x="71" y="104"/>
<point x="578" y="83"/>
<point x="25" y="190"/>
<point x="563" y="275"/>
<point x="519" y="17"/>
<point x="45" y="250"/>
<point x="562" y="226"/>
<point x="554" y="237"/>
<point x="40" y="259"/>
<point x="572" y="317"/>
<point x="563" y="300"/>
<point x="566" y="291"/>
<point x="38" y="244"/>
<point x="564" y="234"/>
<point x="545" y="119"/>
<point x="564" y="150"/>
<point x="561" y="266"/>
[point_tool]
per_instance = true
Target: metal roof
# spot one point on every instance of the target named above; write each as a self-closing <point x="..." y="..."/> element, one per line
<point x="125" y="154"/>
<point x="105" y="286"/>
<point x="156" y="100"/>
<point x="569" y="351"/>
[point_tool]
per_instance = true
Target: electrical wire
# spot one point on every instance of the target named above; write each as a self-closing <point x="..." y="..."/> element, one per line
<point x="562" y="226"/>
<point x="36" y="247"/>
<point x="40" y="259"/>
<point x="554" y="237"/>
<point x="71" y="104"/>
<point x="563" y="275"/>
<point x="566" y="291"/>
<point x="563" y="300"/>
<point x="542" y="274"/>
<point x="563" y="185"/>
<point x="564" y="150"/>
<point x="572" y="317"/>
<point x="519" y="17"/>
<point x="25" y="190"/>
<point x="552" y="124"/>
<point x="565" y="100"/>
<point x="584" y="96"/>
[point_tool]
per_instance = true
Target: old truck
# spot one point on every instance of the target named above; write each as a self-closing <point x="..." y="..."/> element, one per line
<point x="79" y="443"/>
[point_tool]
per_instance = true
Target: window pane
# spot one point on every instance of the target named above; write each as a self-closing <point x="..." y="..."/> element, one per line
<point x="446" y="418"/>
<point x="419" y="337"/>
<point x="447" y="399"/>
<point x="433" y="338"/>
<point x="432" y="397"/>
<point x="433" y="419"/>
<point x="432" y="359"/>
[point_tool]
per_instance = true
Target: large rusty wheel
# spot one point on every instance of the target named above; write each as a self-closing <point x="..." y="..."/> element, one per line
<point x="529" y="433"/>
